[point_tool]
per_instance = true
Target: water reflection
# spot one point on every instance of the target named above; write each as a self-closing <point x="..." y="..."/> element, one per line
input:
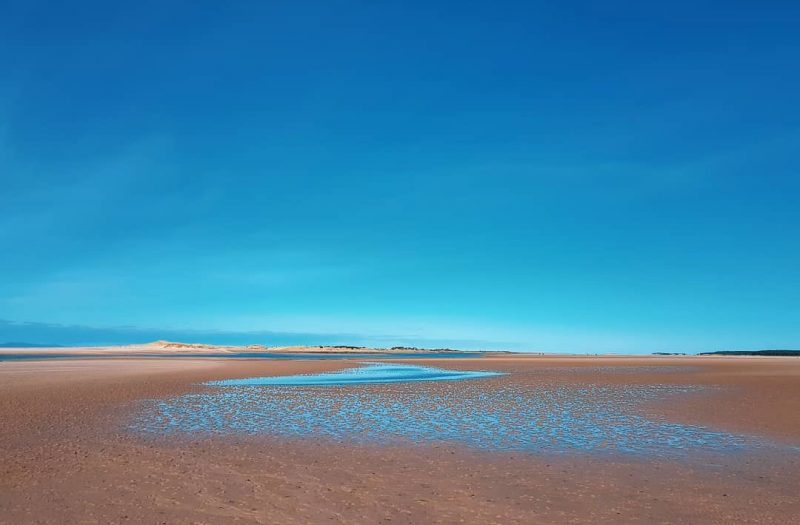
<point x="369" y="374"/>
<point x="488" y="413"/>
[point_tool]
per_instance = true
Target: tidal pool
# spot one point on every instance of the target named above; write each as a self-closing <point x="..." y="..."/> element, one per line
<point x="395" y="403"/>
<point x="369" y="374"/>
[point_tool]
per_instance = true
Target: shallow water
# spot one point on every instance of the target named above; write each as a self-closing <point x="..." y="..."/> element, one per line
<point x="372" y="373"/>
<point x="245" y="355"/>
<point x="486" y="412"/>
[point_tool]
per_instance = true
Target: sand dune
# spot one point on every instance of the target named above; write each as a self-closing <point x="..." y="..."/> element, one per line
<point x="172" y="347"/>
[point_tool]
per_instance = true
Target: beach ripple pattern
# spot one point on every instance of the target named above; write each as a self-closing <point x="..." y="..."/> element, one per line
<point x="484" y="413"/>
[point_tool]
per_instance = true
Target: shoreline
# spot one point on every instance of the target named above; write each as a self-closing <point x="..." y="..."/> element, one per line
<point x="171" y="348"/>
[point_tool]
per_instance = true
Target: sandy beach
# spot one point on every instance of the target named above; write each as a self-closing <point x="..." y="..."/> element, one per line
<point x="402" y="263"/>
<point x="69" y="456"/>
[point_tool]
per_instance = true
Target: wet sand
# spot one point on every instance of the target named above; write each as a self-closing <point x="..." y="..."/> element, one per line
<point x="66" y="455"/>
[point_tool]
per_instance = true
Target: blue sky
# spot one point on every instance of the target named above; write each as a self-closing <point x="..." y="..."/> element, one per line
<point x="533" y="176"/>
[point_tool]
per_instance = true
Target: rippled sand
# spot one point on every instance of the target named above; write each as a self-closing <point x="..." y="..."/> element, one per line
<point x="658" y="440"/>
<point x="392" y="403"/>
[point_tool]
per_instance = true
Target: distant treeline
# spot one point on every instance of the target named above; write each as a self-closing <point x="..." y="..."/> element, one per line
<point x="407" y="348"/>
<point x="669" y="353"/>
<point x="755" y="352"/>
<point x="416" y="349"/>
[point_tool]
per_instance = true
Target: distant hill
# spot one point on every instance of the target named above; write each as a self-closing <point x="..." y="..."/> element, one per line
<point x="27" y="345"/>
<point x="755" y="352"/>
